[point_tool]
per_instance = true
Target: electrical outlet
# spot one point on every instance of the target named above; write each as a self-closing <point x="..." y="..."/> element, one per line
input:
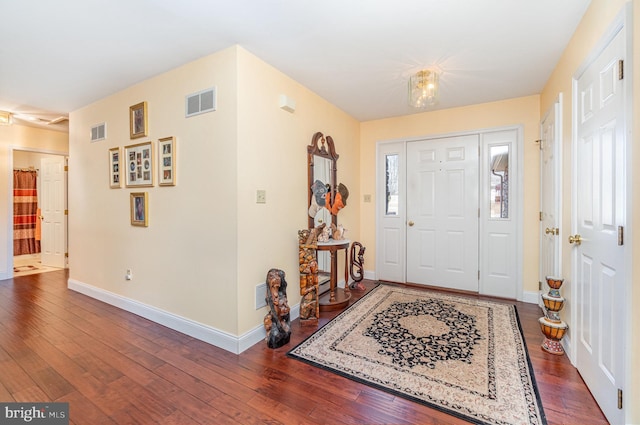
<point x="261" y="197"/>
<point x="128" y="275"/>
<point x="367" y="198"/>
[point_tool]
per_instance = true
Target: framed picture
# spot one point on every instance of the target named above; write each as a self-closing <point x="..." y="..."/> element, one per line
<point x="138" y="120"/>
<point x="139" y="165"/>
<point x="167" y="161"/>
<point x="114" y="168"/>
<point x="139" y="209"/>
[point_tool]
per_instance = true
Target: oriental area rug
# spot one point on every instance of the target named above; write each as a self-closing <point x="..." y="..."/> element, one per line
<point x="463" y="356"/>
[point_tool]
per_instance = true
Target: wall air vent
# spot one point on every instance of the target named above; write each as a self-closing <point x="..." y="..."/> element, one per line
<point x="201" y="102"/>
<point x="98" y="132"/>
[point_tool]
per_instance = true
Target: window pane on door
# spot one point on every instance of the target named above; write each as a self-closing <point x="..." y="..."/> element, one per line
<point x="499" y="191"/>
<point x="391" y="183"/>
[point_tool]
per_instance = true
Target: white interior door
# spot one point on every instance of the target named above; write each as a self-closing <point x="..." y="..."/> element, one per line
<point x="52" y="205"/>
<point x="600" y="212"/>
<point x="442" y="212"/>
<point x="550" y="235"/>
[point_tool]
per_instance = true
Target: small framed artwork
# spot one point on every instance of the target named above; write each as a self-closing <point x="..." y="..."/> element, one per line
<point x="167" y="161"/>
<point x="114" y="168"/>
<point x="139" y="165"/>
<point x="138" y="120"/>
<point x="139" y="209"/>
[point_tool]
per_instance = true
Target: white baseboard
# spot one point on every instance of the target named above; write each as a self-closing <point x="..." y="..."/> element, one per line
<point x="531" y="297"/>
<point x="208" y="334"/>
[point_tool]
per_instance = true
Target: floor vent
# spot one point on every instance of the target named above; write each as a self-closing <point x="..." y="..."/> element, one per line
<point x="261" y="295"/>
<point x="201" y="102"/>
<point x="99" y="132"/>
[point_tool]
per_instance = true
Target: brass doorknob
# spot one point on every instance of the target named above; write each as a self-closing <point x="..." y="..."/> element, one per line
<point x="552" y="231"/>
<point x="411" y="223"/>
<point x="577" y="239"/>
<point x="547" y="231"/>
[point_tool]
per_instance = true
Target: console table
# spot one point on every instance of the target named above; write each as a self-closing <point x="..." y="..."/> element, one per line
<point x="337" y="298"/>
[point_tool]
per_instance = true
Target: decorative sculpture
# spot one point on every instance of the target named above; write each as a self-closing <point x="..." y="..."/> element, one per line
<point x="552" y="326"/>
<point x="337" y="232"/>
<point x="277" y="321"/>
<point x="358" y="263"/>
<point x="309" y="287"/>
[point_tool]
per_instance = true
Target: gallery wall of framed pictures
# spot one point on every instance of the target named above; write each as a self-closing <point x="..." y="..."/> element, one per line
<point x="136" y="164"/>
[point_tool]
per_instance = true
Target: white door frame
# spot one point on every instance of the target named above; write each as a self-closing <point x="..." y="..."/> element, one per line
<point x="9" y="223"/>
<point x="623" y="20"/>
<point x="554" y="111"/>
<point x="399" y="146"/>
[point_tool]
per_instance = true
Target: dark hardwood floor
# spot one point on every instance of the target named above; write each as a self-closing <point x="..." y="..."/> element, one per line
<point x="117" y="368"/>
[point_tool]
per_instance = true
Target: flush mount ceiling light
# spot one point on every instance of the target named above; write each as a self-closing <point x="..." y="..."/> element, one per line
<point x="5" y="118"/>
<point x="423" y="88"/>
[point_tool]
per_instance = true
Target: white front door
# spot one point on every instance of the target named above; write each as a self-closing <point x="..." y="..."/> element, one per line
<point x="52" y="205"/>
<point x="391" y="212"/>
<point x="499" y="214"/>
<point x="550" y="235"/>
<point x="599" y="191"/>
<point x="442" y="212"/>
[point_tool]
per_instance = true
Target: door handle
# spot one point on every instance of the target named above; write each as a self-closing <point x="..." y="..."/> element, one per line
<point x="577" y="239"/>
<point x="552" y="231"/>
<point x="411" y="223"/>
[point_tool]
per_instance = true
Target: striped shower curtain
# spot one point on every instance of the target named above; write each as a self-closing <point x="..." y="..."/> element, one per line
<point x="25" y="207"/>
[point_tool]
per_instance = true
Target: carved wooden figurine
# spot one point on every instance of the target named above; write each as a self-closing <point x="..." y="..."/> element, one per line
<point x="309" y="305"/>
<point x="358" y="263"/>
<point x="277" y="321"/>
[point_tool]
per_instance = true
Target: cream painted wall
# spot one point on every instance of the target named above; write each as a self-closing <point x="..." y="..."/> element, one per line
<point x="185" y="262"/>
<point x="272" y="151"/>
<point x="16" y="137"/>
<point x="524" y="111"/>
<point x="596" y="21"/>
<point x="208" y="243"/>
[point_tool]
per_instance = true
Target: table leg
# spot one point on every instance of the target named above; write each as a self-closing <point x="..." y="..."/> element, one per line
<point x="333" y="282"/>
<point x="346" y="273"/>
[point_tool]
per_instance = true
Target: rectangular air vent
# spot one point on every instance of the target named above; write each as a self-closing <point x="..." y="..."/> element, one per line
<point x="99" y="132"/>
<point x="201" y="102"/>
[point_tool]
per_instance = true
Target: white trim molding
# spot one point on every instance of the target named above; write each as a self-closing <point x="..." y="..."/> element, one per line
<point x="208" y="334"/>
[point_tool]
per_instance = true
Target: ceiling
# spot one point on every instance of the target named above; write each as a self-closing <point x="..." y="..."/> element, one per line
<point x="57" y="57"/>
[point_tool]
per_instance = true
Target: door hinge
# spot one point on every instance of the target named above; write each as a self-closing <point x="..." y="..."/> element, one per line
<point x="66" y="212"/>
<point x="66" y="168"/>
<point x="620" y="235"/>
<point x="539" y="286"/>
<point x="621" y="69"/>
<point x="478" y="274"/>
<point x="478" y="212"/>
<point x="540" y="216"/>
<point x="66" y="255"/>
<point x="619" y="399"/>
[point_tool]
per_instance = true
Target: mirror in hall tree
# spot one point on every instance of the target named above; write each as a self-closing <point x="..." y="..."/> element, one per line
<point x="321" y="173"/>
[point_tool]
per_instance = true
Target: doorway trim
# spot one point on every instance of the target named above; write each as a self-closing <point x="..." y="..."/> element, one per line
<point x="398" y="146"/>
<point x="11" y="150"/>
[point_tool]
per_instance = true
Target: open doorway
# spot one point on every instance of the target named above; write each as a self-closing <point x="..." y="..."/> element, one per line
<point x="39" y="212"/>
